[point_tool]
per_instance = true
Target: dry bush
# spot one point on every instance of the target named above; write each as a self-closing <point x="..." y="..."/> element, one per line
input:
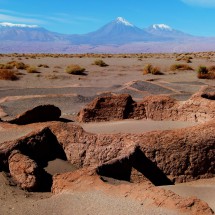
<point x="150" y="69"/>
<point x="6" y="66"/>
<point x="211" y="68"/>
<point x="181" y="67"/>
<point x="7" y="74"/>
<point x="18" y="65"/>
<point x="21" y="65"/>
<point x="185" y="58"/>
<point x="43" y="65"/>
<point x="75" y="69"/>
<point x="206" y="73"/>
<point x="32" y="69"/>
<point x="100" y="63"/>
<point x="13" y="64"/>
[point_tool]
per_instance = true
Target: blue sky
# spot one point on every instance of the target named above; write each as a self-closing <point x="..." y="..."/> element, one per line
<point x="196" y="17"/>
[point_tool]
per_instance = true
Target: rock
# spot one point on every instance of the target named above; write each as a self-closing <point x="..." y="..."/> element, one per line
<point x="199" y="108"/>
<point x="106" y="108"/>
<point x="85" y="149"/>
<point x="23" y="170"/>
<point x="40" y="145"/>
<point x="65" y="181"/>
<point x="163" y="157"/>
<point x="158" y="107"/>
<point x="42" y="113"/>
<point x="181" y="155"/>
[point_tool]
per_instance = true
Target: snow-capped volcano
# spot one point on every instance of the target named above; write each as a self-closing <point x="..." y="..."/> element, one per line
<point x="118" y="31"/>
<point x="162" y="27"/>
<point x="7" y="24"/>
<point x="166" y="32"/>
<point x="121" y="20"/>
<point x="113" y="35"/>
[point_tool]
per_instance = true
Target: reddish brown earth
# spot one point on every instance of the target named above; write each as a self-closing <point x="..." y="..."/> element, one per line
<point x="85" y="179"/>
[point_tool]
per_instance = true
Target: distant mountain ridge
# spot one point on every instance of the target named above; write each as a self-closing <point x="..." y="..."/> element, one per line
<point x="118" y="31"/>
<point x="23" y="32"/>
<point x="115" y="34"/>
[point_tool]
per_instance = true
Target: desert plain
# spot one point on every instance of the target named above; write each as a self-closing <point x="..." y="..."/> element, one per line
<point x="148" y="153"/>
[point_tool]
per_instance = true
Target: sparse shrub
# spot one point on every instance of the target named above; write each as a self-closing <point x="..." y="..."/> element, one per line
<point x="206" y="73"/>
<point x="184" y="58"/>
<point x="211" y="68"/>
<point x="43" y="65"/>
<point x="7" y="74"/>
<point x="181" y="67"/>
<point x="6" y="66"/>
<point x="188" y="61"/>
<point x="75" y="69"/>
<point x="13" y="64"/>
<point x="202" y="70"/>
<point x="150" y="69"/>
<point x="21" y="65"/>
<point x="32" y="69"/>
<point x="100" y="63"/>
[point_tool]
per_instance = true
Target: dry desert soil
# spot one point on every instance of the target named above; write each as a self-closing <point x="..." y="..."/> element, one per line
<point x="124" y="74"/>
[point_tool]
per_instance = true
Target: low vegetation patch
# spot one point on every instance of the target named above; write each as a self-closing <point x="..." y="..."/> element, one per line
<point x="181" y="67"/>
<point x="7" y="74"/>
<point x="206" y="73"/>
<point x="185" y="58"/>
<point x="75" y="69"/>
<point x="43" y="65"/>
<point x="100" y="63"/>
<point x="14" y="64"/>
<point x="6" y="66"/>
<point x="32" y="69"/>
<point x="150" y="69"/>
<point x="18" y="65"/>
<point x="21" y="65"/>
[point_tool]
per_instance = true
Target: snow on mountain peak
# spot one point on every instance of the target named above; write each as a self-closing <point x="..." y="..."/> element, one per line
<point x="162" y="27"/>
<point x="7" y="24"/>
<point x="123" y="21"/>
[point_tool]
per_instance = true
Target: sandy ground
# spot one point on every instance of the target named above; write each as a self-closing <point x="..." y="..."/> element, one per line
<point x="70" y="93"/>
<point x="123" y="75"/>
<point x="13" y="132"/>
<point x="93" y="202"/>
<point x="203" y="189"/>
<point x="133" y="126"/>
<point x="18" y="202"/>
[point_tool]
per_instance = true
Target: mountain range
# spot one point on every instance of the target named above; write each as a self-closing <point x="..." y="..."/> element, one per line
<point x="117" y="36"/>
